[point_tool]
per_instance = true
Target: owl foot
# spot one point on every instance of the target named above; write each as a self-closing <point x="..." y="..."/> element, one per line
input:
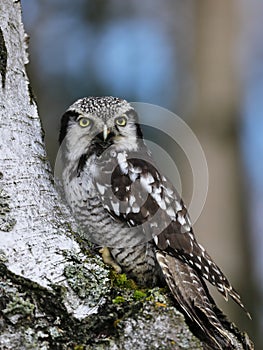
<point x="107" y="259"/>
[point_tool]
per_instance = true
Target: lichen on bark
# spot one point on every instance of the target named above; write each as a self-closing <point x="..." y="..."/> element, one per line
<point x="7" y="222"/>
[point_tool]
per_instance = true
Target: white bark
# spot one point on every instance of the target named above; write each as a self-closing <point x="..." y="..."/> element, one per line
<point x="34" y="233"/>
<point x="51" y="292"/>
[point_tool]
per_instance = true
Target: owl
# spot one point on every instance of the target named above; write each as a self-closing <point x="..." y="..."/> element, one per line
<point x="123" y="203"/>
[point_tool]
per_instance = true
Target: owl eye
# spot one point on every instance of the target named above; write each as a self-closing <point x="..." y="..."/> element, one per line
<point x="84" y="122"/>
<point x="121" y="121"/>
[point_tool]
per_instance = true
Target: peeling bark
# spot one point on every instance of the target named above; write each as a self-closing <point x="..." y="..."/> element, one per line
<point x="54" y="292"/>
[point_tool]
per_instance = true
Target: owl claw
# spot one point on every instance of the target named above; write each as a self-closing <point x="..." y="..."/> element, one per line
<point x="107" y="259"/>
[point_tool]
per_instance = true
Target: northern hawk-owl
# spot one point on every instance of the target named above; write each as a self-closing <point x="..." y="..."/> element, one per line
<point x="125" y="203"/>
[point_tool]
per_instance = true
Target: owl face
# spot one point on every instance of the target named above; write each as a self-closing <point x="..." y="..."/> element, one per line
<point x="99" y="123"/>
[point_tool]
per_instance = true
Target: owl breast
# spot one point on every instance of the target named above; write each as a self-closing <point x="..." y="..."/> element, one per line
<point x="98" y="226"/>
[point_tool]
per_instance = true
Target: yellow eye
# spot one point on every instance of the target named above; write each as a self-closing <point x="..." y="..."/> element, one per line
<point x="84" y="122"/>
<point x="121" y="121"/>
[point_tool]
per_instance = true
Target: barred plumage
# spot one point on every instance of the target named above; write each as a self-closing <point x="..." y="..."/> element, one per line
<point x="123" y="202"/>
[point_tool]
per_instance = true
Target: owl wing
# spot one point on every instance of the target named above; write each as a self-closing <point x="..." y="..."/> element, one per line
<point x="134" y="191"/>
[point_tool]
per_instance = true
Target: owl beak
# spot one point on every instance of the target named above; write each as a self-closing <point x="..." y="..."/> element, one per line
<point x="106" y="132"/>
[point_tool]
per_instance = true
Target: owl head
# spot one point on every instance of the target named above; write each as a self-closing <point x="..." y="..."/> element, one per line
<point x="97" y="123"/>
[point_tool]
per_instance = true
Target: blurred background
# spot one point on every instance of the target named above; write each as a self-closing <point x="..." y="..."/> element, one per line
<point x="201" y="59"/>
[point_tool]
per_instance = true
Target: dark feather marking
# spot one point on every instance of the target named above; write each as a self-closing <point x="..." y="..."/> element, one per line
<point x="122" y="181"/>
<point x="64" y="123"/>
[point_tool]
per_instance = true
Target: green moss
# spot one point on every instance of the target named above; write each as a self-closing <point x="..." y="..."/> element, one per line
<point x="118" y="300"/>
<point x="138" y="295"/>
<point x="79" y="347"/>
<point x="122" y="281"/>
<point x="132" y="293"/>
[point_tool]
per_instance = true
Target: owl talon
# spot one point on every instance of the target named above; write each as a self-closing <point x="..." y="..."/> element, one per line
<point x="107" y="259"/>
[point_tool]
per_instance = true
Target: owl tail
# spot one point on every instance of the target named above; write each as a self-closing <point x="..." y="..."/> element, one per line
<point x="192" y="298"/>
